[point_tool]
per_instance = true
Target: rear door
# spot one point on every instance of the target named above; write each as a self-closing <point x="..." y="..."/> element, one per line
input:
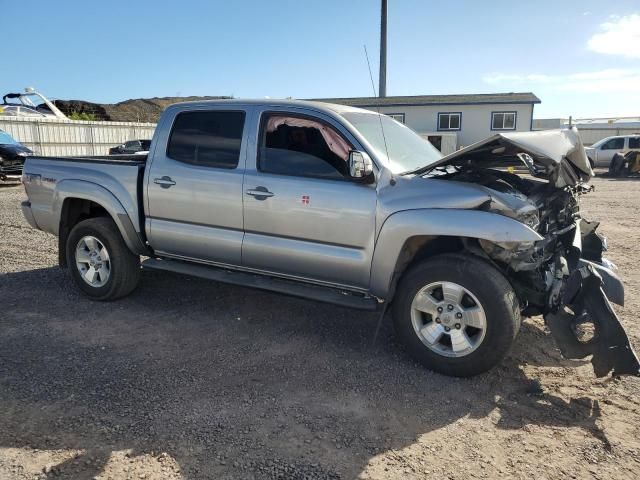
<point x="194" y="189"/>
<point x="304" y="217"/>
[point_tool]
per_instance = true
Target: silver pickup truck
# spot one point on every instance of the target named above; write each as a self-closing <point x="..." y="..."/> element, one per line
<point x="344" y="205"/>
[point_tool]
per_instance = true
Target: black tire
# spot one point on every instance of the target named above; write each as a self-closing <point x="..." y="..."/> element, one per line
<point x="492" y="290"/>
<point x="124" y="264"/>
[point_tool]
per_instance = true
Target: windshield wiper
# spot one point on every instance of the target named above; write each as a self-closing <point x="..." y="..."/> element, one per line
<point x="426" y="168"/>
<point x="416" y="171"/>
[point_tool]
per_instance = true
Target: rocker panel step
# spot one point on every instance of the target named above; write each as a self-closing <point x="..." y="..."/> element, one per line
<point x="264" y="282"/>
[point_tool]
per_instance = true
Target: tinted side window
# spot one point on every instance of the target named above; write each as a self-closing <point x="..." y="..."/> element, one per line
<point x="634" y="142"/>
<point x="614" y="144"/>
<point x="302" y="147"/>
<point x="209" y="139"/>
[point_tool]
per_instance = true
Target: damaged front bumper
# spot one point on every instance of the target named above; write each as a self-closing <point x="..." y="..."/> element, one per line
<point x="562" y="275"/>
<point x="581" y="318"/>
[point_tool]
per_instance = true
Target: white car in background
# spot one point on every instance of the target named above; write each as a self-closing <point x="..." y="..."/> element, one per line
<point x="601" y="152"/>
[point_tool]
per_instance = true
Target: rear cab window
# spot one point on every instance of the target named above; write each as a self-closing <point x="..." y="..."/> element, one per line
<point x="302" y="146"/>
<point x="207" y="138"/>
<point x="634" y="142"/>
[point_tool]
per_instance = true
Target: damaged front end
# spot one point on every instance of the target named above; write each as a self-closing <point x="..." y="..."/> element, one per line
<point x="579" y="311"/>
<point x="538" y="178"/>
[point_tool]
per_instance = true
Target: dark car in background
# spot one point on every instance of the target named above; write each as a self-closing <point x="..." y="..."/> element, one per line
<point x="12" y="156"/>
<point x="132" y="146"/>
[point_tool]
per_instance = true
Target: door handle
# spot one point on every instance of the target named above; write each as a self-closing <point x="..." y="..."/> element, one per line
<point x="164" y="182"/>
<point x="260" y="193"/>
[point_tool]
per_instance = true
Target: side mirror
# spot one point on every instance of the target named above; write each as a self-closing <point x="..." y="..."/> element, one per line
<point x="360" y="166"/>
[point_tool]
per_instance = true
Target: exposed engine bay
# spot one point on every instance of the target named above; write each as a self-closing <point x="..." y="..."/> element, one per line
<point x="563" y="276"/>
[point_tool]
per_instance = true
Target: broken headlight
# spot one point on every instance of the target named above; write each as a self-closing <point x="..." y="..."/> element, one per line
<point x="518" y="255"/>
<point x="531" y="219"/>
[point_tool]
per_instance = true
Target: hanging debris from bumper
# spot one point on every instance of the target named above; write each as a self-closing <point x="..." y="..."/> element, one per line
<point x="586" y="324"/>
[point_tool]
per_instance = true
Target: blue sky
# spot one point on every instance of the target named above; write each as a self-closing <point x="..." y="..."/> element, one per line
<point x="582" y="58"/>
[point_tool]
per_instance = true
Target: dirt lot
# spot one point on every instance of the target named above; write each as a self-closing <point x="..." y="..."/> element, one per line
<point x="192" y="379"/>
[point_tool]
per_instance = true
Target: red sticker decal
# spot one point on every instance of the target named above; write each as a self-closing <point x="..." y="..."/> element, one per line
<point x="305" y="199"/>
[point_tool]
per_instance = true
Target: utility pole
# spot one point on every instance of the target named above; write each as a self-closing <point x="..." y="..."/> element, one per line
<point x="382" y="88"/>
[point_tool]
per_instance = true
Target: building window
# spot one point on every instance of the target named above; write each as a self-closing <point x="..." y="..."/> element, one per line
<point x="449" y="120"/>
<point x="503" y="120"/>
<point x="398" y="117"/>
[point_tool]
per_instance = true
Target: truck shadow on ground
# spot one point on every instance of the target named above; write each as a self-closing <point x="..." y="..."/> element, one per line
<point x="232" y="382"/>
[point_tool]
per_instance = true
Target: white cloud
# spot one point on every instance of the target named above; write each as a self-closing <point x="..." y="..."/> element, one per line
<point x="614" y="80"/>
<point x="620" y="36"/>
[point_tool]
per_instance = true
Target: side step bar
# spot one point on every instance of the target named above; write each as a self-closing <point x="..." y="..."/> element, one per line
<point x="263" y="282"/>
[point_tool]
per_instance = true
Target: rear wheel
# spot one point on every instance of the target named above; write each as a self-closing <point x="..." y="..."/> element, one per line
<point x="456" y="314"/>
<point x="101" y="264"/>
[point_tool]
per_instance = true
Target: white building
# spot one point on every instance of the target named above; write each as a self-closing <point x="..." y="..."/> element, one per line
<point x="454" y="121"/>
<point x="593" y="129"/>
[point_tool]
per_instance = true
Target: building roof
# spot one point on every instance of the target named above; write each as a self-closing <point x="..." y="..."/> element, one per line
<point x="613" y="121"/>
<point x="588" y="123"/>
<point x="420" y="100"/>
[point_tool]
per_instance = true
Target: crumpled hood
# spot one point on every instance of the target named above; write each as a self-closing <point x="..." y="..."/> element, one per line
<point x="416" y="192"/>
<point x="557" y="155"/>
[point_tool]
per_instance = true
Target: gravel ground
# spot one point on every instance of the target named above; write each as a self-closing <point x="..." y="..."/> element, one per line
<point x="194" y="379"/>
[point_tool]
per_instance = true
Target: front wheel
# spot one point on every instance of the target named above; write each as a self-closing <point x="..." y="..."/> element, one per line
<point x="101" y="264"/>
<point x="456" y="314"/>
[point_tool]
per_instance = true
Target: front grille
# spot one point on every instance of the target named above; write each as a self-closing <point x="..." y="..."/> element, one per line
<point x="11" y="168"/>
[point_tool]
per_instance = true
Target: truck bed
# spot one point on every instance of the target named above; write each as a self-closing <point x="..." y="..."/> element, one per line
<point x="109" y="159"/>
<point x="117" y="178"/>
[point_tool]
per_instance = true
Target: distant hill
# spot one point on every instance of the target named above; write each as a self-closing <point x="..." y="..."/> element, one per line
<point x="134" y="110"/>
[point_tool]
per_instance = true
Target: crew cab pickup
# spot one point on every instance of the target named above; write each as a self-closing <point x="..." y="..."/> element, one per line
<point x="348" y="206"/>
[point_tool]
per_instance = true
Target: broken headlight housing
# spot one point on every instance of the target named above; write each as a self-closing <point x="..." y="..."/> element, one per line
<point x="531" y="219"/>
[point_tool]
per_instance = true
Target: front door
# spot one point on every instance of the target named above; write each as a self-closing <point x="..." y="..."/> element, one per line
<point x="608" y="150"/>
<point x="304" y="217"/>
<point x="194" y="188"/>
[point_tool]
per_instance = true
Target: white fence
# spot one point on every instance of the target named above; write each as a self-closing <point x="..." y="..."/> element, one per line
<point x="58" y="137"/>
